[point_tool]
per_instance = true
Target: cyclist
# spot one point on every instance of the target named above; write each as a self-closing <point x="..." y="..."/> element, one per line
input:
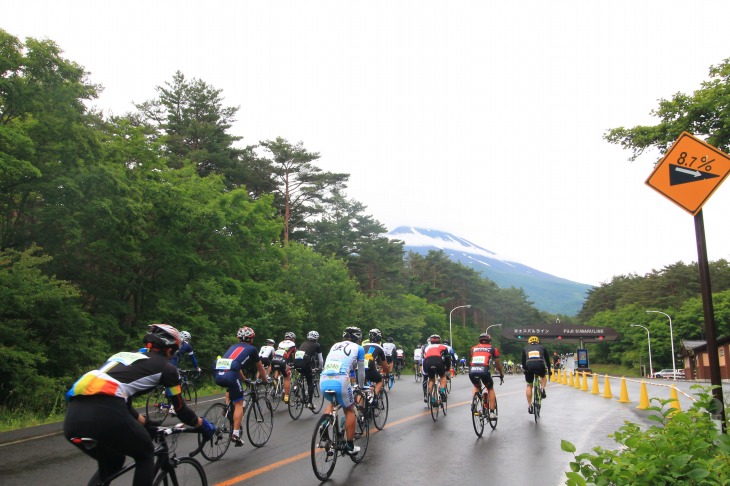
<point x="185" y="348"/>
<point x="389" y="348"/>
<point x="481" y="356"/>
<point x="100" y="405"/>
<point x="231" y="370"/>
<point x="266" y="353"/>
<point x="400" y="358"/>
<point x="462" y="364"/>
<point x="374" y="357"/>
<point x="344" y="357"/>
<point x="282" y="360"/>
<point x="306" y="359"/>
<point x="535" y="361"/>
<point x="417" y="356"/>
<point x="436" y="355"/>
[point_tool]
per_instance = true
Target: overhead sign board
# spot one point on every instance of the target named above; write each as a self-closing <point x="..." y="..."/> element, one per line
<point x="561" y="332"/>
<point x="690" y="172"/>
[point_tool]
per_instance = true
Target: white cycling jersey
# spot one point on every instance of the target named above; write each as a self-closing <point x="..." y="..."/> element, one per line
<point x="266" y="352"/>
<point x="389" y="348"/>
<point x="417" y="354"/>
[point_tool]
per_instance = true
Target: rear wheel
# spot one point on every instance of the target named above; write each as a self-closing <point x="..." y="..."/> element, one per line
<point x="362" y="435"/>
<point x="433" y="402"/>
<point x="276" y="393"/>
<point x="157" y="405"/>
<point x="317" y="398"/>
<point x="536" y="402"/>
<point x="187" y="472"/>
<point x="324" y="447"/>
<point x="259" y="421"/>
<point x="190" y="394"/>
<point x="477" y="418"/>
<point x="296" y="400"/>
<point x="380" y="411"/>
<point x="214" y="448"/>
<point x="493" y="417"/>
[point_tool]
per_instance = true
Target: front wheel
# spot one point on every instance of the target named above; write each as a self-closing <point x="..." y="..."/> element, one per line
<point x="190" y="394"/>
<point x="259" y="421"/>
<point x="477" y="417"/>
<point x="157" y="405"/>
<point x="214" y="448"/>
<point x="186" y="471"/>
<point x="324" y="447"/>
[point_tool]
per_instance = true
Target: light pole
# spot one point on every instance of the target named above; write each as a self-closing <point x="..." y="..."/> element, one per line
<point x="452" y="311"/>
<point x="671" y="336"/>
<point x="648" y="338"/>
<point x="488" y="328"/>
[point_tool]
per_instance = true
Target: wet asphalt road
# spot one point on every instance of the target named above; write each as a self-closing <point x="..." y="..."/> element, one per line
<point x="410" y="448"/>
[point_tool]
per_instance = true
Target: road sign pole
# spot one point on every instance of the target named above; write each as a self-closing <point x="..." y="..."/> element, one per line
<point x="709" y="312"/>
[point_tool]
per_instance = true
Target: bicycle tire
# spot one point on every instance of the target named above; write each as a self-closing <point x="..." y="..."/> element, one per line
<point x="445" y="403"/>
<point x="380" y="412"/>
<point x="296" y="400"/>
<point x="324" y="447"/>
<point x="259" y="421"/>
<point x="362" y="435"/>
<point x="276" y="393"/>
<point x="493" y="420"/>
<point x="185" y="471"/>
<point x="477" y="415"/>
<point x="214" y="448"/>
<point x="433" y="402"/>
<point x="448" y="381"/>
<point x="416" y="376"/>
<point x="317" y="397"/>
<point x="536" y="401"/>
<point x="190" y="394"/>
<point x="157" y="406"/>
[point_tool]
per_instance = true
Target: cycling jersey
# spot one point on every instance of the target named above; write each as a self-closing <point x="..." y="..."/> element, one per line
<point x="265" y="354"/>
<point x="283" y="357"/>
<point x="308" y="355"/>
<point x="389" y="349"/>
<point x="417" y="355"/>
<point x="343" y="357"/>
<point x="241" y="357"/>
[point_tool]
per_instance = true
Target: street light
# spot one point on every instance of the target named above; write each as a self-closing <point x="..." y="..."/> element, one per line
<point x="488" y="328"/>
<point x="648" y="338"/>
<point x="452" y="311"/>
<point x="671" y="336"/>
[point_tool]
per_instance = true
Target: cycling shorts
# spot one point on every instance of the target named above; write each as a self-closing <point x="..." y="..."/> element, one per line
<point x="434" y="362"/>
<point x="481" y="374"/>
<point x="340" y="384"/>
<point x="373" y="374"/>
<point x="278" y="364"/>
<point x="534" y="369"/>
<point x="231" y="380"/>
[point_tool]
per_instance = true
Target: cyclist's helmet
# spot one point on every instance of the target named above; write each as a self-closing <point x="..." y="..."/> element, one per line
<point x="447" y="342"/>
<point x="375" y="335"/>
<point x="290" y="336"/>
<point x="246" y="334"/>
<point x="434" y="339"/>
<point x="390" y="339"/>
<point x="163" y="335"/>
<point x="313" y="335"/>
<point x="270" y="342"/>
<point x="485" y="338"/>
<point x="533" y="340"/>
<point x="352" y="333"/>
<point x="185" y="336"/>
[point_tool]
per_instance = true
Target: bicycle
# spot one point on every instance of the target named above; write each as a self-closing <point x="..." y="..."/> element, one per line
<point x="398" y="367"/>
<point x="376" y="410"/>
<point x="158" y="404"/>
<point x="416" y="373"/>
<point x="299" y="396"/>
<point x="329" y="440"/>
<point x="536" y="396"/>
<point x="435" y="400"/>
<point x="480" y="410"/>
<point x="169" y="469"/>
<point x="448" y="381"/>
<point x="259" y="419"/>
<point x="275" y="391"/>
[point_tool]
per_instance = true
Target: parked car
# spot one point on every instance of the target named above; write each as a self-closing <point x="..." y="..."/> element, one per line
<point x="669" y="374"/>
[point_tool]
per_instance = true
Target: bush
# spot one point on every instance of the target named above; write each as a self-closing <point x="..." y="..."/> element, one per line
<point x="686" y="448"/>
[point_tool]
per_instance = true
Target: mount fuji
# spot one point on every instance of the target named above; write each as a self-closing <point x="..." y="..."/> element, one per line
<point x="549" y="293"/>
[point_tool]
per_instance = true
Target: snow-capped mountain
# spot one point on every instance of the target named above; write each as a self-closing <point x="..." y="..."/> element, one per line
<point x="548" y="292"/>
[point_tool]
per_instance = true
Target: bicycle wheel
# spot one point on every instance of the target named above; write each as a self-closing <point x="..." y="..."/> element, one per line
<point x="445" y="403"/>
<point x="493" y="419"/>
<point x="477" y="417"/>
<point x="536" y="401"/>
<point x="433" y="403"/>
<point x="214" y="448"/>
<point x="157" y="406"/>
<point x="190" y="394"/>
<point x="317" y="398"/>
<point x="259" y="421"/>
<point x="448" y="381"/>
<point x="380" y="412"/>
<point x="276" y="393"/>
<point x="185" y="471"/>
<point x="362" y="435"/>
<point x="296" y="400"/>
<point x="324" y="447"/>
<point x="416" y="376"/>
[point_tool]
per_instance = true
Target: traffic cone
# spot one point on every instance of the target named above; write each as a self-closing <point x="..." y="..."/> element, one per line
<point x="595" y="391"/>
<point x="624" y="396"/>
<point x="643" y="397"/>
<point x="577" y="381"/>
<point x="584" y="383"/>
<point x="674" y="403"/>
<point x="570" y="382"/>
<point x="607" y="388"/>
<point x="563" y="377"/>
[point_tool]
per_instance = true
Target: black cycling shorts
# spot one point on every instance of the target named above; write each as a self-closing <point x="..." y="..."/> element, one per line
<point x="434" y="363"/>
<point x="534" y="369"/>
<point x="481" y="374"/>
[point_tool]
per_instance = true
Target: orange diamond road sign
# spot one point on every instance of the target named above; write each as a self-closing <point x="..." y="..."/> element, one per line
<point x="690" y="172"/>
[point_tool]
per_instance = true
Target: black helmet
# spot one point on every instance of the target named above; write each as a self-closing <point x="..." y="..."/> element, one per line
<point x="485" y="338"/>
<point x="447" y="342"/>
<point x="352" y="333"/>
<point x="390" y="339"/>
<point x="163" y="335"/>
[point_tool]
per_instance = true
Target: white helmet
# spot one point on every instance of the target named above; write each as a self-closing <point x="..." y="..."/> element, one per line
<point x="313" y="335"/>
<point x="185" y="336"/>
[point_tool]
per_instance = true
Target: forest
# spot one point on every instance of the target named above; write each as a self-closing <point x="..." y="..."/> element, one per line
<point x="111" y="223"/>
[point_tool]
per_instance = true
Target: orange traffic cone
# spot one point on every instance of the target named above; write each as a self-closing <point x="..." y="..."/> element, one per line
<point x="607" y="388"/>
<point x="643" y="397"/>
<point x="624" y="396"/>
<point x="674" y="403"/>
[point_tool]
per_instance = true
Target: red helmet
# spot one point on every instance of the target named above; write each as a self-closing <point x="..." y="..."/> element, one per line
<point x="246" y="334"/>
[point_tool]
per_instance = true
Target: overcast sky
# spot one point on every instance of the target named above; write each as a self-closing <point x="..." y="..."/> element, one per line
<point x="481" y="118"/>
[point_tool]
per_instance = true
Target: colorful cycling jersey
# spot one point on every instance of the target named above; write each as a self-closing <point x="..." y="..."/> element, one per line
<point x="342" y="358"/>
<point x="127" y="375"/>
<point x="186" y="348"/>
<point x="286" y="351"/>
<point x="374" y="354"/>
<point x="239" y="357"/>
<point x="436" y="350"/>
<point x="389" y="349"/>
<point x="481" y="354"/>
<point x="266" y="352"/>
